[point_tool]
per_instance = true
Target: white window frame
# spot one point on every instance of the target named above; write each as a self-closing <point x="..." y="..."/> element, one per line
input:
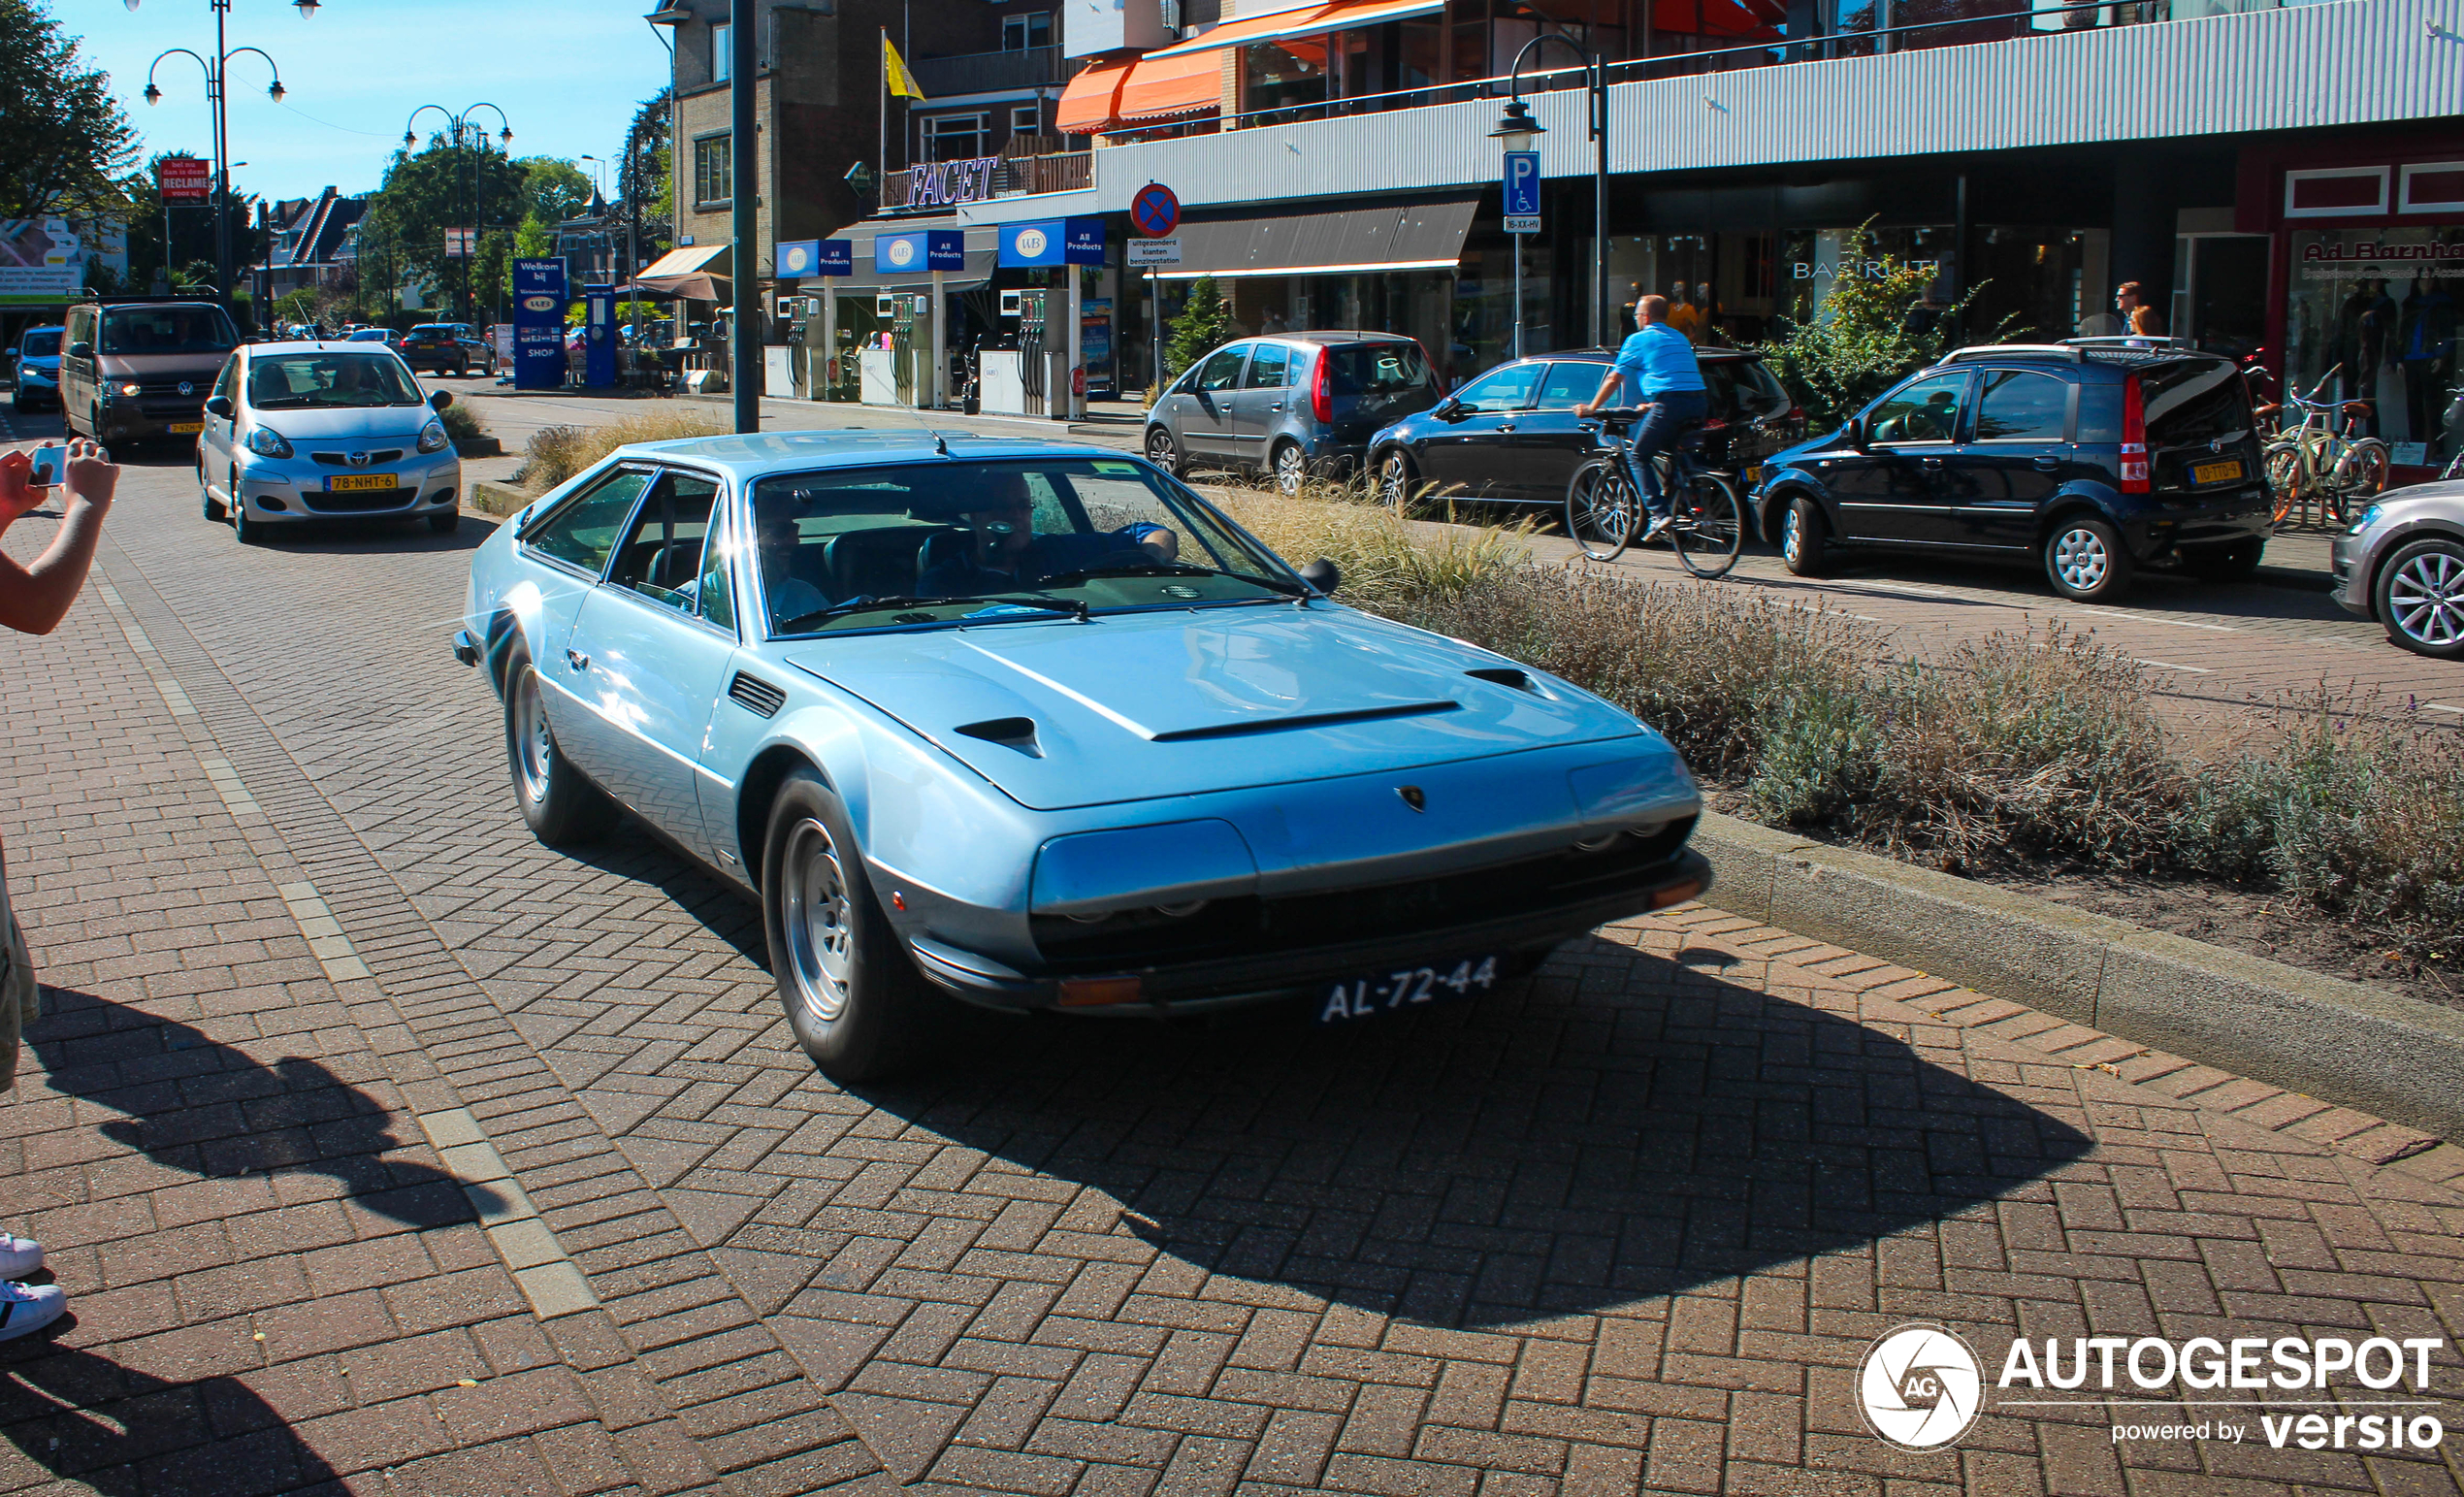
<point x="930" y="126"/>
<point x="1026" y="23"/>
<point x="722" y="51"/>
<point x="2332" y="174"/>
<point x="2404" y="202"/>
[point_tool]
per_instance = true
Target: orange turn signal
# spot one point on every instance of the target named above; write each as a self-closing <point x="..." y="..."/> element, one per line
<point x="1094" y="992"/>
<point x="1675" y="893"/>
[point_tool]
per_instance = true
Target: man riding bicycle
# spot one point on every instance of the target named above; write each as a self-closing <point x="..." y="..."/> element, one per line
<point x="1657" y="367"/>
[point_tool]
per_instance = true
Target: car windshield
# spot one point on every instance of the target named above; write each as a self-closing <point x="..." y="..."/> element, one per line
<point x="1375" y="369"/>
<point x="167" y="329"/>
<point x="42" y="342"/>
<point x="295" y="381"/>
<point x="955" y="542"/>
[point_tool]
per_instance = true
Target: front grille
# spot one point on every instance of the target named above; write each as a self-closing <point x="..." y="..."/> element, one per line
<point x="343" y="459"/>
<point x="1251" y="925"/>
<point x="757" y="697"/>
<point x="357" y="501"/>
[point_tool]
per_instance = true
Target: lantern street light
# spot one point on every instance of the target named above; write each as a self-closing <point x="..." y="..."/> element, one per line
<point x="1518" y="130"/>
<point x="463" y="129"/>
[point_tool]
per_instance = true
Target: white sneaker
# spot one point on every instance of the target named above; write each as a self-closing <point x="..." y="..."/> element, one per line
<point x="27" y="1308"/>
<point x="1659" y="523"/>
<point x="19" y="1255"/>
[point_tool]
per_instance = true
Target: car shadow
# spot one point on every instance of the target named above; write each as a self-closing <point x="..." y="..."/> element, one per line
<point x="124" y="1433"/>
<point x="636" y="853"/>
<point x="386" y="537"/>
<point x="1620" y="1126"/>
<point x="193" y="1103"/>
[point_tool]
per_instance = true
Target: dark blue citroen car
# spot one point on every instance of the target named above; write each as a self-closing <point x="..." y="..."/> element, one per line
<point x="2090" y="458"/>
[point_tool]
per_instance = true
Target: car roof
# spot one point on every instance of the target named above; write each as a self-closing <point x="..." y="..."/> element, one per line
<point x="1325" y="337"/>
<point x="1603" y="355"/>
<point x="759" y="454"/>
<point x="309" y="346"/>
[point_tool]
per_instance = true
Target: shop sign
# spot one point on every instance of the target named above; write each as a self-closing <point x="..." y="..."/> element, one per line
<point x="2342" y="259"/>
<point x="1860" y="270"/>
<point x="896" y="254"/>
<point x="1156" y="251"/>
<point x="540" y="296"/>
<point x="183" y="179"/>
<point x="1082" y="240"/>
<point x="944" y="249"/>
<point x="41" y="262"/>
<point x="945" y="183"/>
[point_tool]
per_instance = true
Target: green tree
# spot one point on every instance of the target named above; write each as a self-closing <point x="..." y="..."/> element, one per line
<point x="1868" y="331"/>
<point x="1203" y="322"/>
<point x="64" y="141"/>
<point x="643" y="177"/>
<point x="438" y="187"/>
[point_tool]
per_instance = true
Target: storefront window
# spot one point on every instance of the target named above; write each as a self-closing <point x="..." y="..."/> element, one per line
<point x="2376" y="309"/>
<point x="1812" y="263"/>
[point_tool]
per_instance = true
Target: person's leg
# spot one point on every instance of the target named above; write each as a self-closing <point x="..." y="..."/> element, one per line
<point x="1658" y="429"/>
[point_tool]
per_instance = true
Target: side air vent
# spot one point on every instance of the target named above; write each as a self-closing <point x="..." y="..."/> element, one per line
<point x="1011" y="733"/>
<point x="755" y="696"/>
<point x="1507" y="676"/>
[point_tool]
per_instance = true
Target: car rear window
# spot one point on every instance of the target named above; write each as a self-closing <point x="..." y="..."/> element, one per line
<point x="2195" y="401"/>
<point x="1375" y="369"/>
<point x="431" y="331"/>
<point x="167" y="329"/>
<point x="1742" y="389"/>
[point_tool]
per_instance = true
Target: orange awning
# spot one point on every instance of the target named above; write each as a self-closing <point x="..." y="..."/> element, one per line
<point x="1300" y="20"/>
<point x="1176" y="86"/>
<point x="1091" y="103"/>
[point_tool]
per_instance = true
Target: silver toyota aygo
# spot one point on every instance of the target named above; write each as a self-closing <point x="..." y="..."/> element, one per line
<point x="1035" y="726"/>
<point x="300" y="431"/>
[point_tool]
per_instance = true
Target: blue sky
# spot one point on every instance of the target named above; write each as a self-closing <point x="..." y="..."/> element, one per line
<point x="567" y="74"/>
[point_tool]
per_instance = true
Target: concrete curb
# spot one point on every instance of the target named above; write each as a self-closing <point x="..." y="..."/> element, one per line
<point x="2357" y="1045"/>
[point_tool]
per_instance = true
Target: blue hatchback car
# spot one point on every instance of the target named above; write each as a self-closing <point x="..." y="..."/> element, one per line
<point x="1035" y="726"/>
<point x="36" y="364"/>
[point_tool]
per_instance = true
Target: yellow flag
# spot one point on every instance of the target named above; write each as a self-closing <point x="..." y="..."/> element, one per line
<point x="894" y="75"/>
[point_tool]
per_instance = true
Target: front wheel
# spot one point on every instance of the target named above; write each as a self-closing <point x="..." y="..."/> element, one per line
<point x="1804" y="545"/>
<point x="212" y="506"/>
<point x="852" y="994"/>
<point x="1710" y="525"/>
<point x="1165" y="453"/>
<point x="246" y="531"/>
<point x="1601" y="507"/>
<point x="561" y="807"/>
<point x="2420" y="597"/>
<point x="2084" y="560"/>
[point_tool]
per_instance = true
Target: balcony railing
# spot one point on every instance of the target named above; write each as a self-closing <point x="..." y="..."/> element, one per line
<point x="1947" y="24"/>
<point x="947" y="183"/>
<point x="1003" y="72"/>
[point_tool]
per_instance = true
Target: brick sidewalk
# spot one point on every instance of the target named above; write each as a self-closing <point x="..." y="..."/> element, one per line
<point x="435" y="1162"/>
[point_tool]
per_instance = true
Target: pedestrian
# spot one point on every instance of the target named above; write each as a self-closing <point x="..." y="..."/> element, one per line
<point x="2138" y="318"/>
<point x="33" y="600"/>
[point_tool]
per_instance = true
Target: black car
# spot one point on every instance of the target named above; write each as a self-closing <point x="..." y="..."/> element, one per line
<point x="1511" y="434"/>
<point x="2093" y="456"/>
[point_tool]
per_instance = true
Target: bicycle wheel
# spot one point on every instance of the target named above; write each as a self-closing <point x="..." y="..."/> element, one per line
<point x="1710" y="525"/>
<point x="1599" y="510"/>
<point x="2283" y="477"/>
<point x="2361" y="472"/>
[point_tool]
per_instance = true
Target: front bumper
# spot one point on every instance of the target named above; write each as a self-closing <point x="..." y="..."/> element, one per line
<point x="141" y="419"/>
<point x="1250" y="981"/>
<point x="2345" y="554"/>
<point x="293" y="489"/>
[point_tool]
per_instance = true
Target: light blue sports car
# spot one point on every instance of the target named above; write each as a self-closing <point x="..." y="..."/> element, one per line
<point x="1033" y="726"/>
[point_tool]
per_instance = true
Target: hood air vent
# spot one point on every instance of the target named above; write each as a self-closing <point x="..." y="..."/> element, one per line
<point x="1011" y="733"/>
<point x="1506" y="676"/>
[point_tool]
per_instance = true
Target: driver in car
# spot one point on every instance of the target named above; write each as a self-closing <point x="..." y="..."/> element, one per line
<point x="1005" y="553"/>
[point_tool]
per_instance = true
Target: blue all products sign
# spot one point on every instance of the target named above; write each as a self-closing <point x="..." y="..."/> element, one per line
<point x="539" y="324"/>
<point x="1053" y="241"/>
<point x="838" y="259"/>
<point x="944" y="249"/>
<point x="901" y="255"/>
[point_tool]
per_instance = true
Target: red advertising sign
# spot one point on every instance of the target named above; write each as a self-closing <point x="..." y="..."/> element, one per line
<point x="183" y="179"/>
<point x="460" y="243"/>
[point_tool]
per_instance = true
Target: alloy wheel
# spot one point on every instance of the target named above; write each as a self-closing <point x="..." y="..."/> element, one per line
<point x="2426" y="598"/>
<point x="1160" y="449"/>
<point x="534" y="750"/>
<point x="1291" y="467"/>
<point x="819" y="919"/>
<point x="1792" y="535"/>
<point x="1394" y="481"/>
<point x="2079" y="559"/>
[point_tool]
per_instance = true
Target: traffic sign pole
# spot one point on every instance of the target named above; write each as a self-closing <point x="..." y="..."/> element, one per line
<point x="1154" y="213"/>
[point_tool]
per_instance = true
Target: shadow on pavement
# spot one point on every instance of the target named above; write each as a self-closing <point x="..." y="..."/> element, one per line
<point x="196" y="1104"/>
<point x="1621" y="1127"/>
<point x="125" y="1433"/>
<point x="377" y="537"/>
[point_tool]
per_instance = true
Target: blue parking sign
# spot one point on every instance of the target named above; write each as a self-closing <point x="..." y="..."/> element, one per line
<point x="1522" y="184"/>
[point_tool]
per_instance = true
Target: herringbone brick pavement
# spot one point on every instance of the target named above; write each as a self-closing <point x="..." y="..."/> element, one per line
<point x="1628" y="1228"/>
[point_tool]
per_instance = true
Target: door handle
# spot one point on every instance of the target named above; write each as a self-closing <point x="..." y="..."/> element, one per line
<point x="2051" y="465"/>
<point x="1278" y="406"/>
<point x="1507" y="427"/>
<point x="577" y="659"/>
<point x="1931" y="464"/>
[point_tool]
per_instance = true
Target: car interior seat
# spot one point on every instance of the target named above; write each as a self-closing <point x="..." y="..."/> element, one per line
<point x="874" y="561"/>
<point x="942" y="546"/>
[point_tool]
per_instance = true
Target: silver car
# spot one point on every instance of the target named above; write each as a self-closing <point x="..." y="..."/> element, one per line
<point x="2402" y="563"/>
<point x="1291" y="404"/>
<point x="297" y="432"/>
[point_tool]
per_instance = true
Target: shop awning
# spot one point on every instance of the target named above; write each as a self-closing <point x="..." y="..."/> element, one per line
<point x="1173" y="88"/>
<point x="1091" y="103"/>
<point x="984" y="255"/>
<point x="1300" y="20"/>
<point x="699" y="271"/>
<point x="1412" y="237"/>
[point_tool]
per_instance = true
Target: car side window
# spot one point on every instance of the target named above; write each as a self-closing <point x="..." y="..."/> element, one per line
<point x="580" y="534"/>
<point x="1270" y="368"/>
<point x="1924" y="410"/>
<point x="1501" y="389"/>
<point x="716" y="589"/>
<point x="227" y="383"/>
<point x="2022" y="407"/>
<point x="1222" y="368"/>
<point x="661" y="557"/>
<point x="1569" y="385"/>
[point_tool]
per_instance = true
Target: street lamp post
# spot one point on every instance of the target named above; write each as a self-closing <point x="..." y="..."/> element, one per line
<point x="1519" y="130"/>
<point x="217" y="78"/>
<point x="744" y="155"/>
<point x="478" y="185"/>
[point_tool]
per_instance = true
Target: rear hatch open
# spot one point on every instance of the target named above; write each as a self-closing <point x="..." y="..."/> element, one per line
<point x="2201" y="436"/>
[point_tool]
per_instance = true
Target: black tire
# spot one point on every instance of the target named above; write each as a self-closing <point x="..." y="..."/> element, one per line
<point x="559" y="803"/>
<point x="1289" y="467"/>
<point x="1395" y="479"/>
<point x="1602" y="511"/>
<point x="457" y="371"/>
<point x="1805" y="539"/>
<point x="247" y="532"/>
<point x="212" y="506"/>
<point x="1165" y="453"/>
<point x="2419" y="597"/>
<point x="2237" y="562"/>
<point x="445" y="524"/>
<point x="1713" y="528"/>
<point x="2084" y="560"/>
<point x="852" y="994"/>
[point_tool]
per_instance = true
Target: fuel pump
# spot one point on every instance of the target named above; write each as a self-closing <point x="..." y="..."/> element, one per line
<point x="1033" y="372"/>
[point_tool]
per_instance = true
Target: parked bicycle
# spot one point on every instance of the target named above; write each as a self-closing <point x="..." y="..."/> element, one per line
<point x="2323" y="459"/>
<point x="1604" y="506"/>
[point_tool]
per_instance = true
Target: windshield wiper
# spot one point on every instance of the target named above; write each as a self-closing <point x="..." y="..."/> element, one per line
<point x="799" y="625"/>
<point x="1150" y="569"/>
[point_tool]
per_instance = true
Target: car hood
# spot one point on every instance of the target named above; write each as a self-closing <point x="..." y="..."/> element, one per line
<point x="372" y="423"/>
<point x="1139" y="705"/>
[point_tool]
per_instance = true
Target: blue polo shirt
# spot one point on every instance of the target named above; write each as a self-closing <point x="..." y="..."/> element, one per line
<point x="1656" y="361"/>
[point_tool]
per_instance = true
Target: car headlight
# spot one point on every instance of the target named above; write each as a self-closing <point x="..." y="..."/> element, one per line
<point x="433" y="438"/>
<point x="2367" y="518"/>
<point x="266" y="441"/>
